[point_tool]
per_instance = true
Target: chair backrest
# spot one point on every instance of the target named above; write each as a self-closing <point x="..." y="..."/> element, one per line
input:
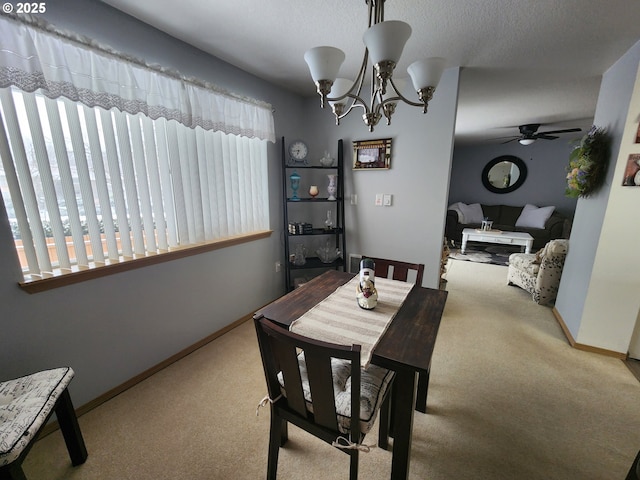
<point x="634" y="471"/>
<point x="298" y="371"/>
<point x="553" y="257"/>
<point x="400" y="269"/>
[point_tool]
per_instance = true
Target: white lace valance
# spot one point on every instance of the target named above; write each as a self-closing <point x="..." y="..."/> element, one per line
<point x="33" y="58"/>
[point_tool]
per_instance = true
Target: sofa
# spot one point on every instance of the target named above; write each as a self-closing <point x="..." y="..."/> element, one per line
<point x="542" y="223"/>
<point x="539" y="273"/>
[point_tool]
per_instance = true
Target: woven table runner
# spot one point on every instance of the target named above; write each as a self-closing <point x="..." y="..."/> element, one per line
<point x="339" y="319"/>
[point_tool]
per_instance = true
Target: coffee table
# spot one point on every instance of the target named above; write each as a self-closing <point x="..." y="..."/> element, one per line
<point x="496" y="236"/>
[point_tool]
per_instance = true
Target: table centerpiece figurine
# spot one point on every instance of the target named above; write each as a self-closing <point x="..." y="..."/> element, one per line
<point x="366" y="292"/>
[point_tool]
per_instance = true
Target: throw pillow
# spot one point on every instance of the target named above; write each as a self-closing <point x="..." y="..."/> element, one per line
<point x="472" y="213"/>
<point x="455" y="207"/>
<point x="534" y="217"/>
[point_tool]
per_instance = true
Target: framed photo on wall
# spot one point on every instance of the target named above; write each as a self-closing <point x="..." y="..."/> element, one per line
<point x="372" y="154"/>
<point x="632" y="171"/>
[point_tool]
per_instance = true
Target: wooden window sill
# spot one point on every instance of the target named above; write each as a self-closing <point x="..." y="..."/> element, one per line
<point x="64" y="279"/>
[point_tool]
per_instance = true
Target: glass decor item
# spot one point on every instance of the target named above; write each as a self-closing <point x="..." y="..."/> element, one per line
<point x="300" y="255"/>
<point x="313" y="191"/>
<point x="332" y="187"/>
<point x="295" y="184"/>
<point x="328" y="223"/>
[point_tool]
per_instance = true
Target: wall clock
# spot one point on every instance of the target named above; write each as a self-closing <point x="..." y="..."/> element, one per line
<point x="298" y="152"/>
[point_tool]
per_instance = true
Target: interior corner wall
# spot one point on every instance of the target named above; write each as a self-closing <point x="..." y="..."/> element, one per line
<point x="598" y="295"/>
<point x="412" y="228"/>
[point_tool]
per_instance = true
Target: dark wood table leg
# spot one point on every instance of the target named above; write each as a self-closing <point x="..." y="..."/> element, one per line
<point x="403" y="405"/>
<point x="423" y="388"/>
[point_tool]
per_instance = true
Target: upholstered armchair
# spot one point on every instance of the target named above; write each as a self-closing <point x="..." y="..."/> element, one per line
<point x="539" y="273"/>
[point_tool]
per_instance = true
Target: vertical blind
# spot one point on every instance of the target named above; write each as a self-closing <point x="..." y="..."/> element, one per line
<point x="87" y="186"/>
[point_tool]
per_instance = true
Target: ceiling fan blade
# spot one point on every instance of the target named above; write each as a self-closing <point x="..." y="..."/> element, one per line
<point x="529" y="129"/>
<point x="513" y="139"/>
<point x="561" y="131"/>
<point x="544" y="136"/>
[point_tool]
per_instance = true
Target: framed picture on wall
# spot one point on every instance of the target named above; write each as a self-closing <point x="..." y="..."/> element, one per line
<point x="632" y="171"/>
<point x="372" y="154"/>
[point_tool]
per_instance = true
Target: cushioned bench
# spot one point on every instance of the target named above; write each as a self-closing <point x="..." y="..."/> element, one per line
<point x="26" y="404"/>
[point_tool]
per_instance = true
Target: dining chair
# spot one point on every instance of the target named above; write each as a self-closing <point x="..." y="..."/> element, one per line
<point x="400" y="269"/>
<point x="634" y="471"/>
<point x="322" y="388"/>
<point x="401" y="272"/>
<point x="26" y="404"/>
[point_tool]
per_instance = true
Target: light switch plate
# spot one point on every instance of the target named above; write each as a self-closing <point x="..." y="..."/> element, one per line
<point x="379" y="199"/>
<point x="386" y="199"/>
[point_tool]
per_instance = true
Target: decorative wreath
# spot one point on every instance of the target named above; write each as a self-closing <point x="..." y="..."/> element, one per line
<point x="588" y="164"/>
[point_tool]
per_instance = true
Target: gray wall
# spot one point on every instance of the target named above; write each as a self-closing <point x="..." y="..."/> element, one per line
<point x="546" y="162"/>
<point x="150" y="314"/>
<point x="113" y="328"/>
<point x="412" y="228"/>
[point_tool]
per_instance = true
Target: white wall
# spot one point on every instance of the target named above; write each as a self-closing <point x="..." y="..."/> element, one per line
<point x="599" y="296"/>
<point x="412" y="228"/>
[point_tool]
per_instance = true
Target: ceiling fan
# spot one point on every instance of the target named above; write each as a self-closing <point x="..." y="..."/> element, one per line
<point x="528" y="134"/>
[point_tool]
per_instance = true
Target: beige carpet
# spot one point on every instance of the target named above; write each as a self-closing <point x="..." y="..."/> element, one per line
<point x="508" y="399"/>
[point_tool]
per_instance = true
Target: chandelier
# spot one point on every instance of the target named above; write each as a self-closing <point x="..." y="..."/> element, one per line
<point x="384" y="42"/>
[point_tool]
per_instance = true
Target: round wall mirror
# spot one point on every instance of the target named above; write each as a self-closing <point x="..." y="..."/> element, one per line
<point x="504" y="174"/>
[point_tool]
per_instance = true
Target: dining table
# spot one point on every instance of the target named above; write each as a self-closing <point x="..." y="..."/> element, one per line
<point x="405" y="346"/>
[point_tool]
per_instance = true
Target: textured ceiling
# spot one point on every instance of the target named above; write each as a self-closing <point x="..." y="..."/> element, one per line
<point x="523" y="61"/>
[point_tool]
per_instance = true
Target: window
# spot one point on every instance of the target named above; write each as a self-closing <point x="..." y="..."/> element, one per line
<point x="89" y="187"/>
<point x="94" y="178"/>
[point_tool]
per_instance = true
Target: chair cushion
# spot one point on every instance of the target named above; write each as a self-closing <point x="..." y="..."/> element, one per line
<point x="374" y="382"/>
<point x="25" y="404"/>
<point x="525" y="262"/>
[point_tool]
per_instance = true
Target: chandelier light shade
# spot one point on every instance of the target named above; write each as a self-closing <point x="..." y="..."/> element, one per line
<point x="384" y="42"/>
<point x="426" y="72"/>
<point x="324" y="64"/>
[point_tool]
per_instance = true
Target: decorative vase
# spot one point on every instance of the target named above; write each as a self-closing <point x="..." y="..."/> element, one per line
<point x="332" y="188"/>
<point x="295" y="184"/>
<point x="313" y="191"/>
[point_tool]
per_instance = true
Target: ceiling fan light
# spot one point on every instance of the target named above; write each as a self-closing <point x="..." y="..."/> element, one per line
<point x="385" y="40"/>
<point x="426" y="72"/>
<point x="526" y="141"/>
<point x="324" y="62"/>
